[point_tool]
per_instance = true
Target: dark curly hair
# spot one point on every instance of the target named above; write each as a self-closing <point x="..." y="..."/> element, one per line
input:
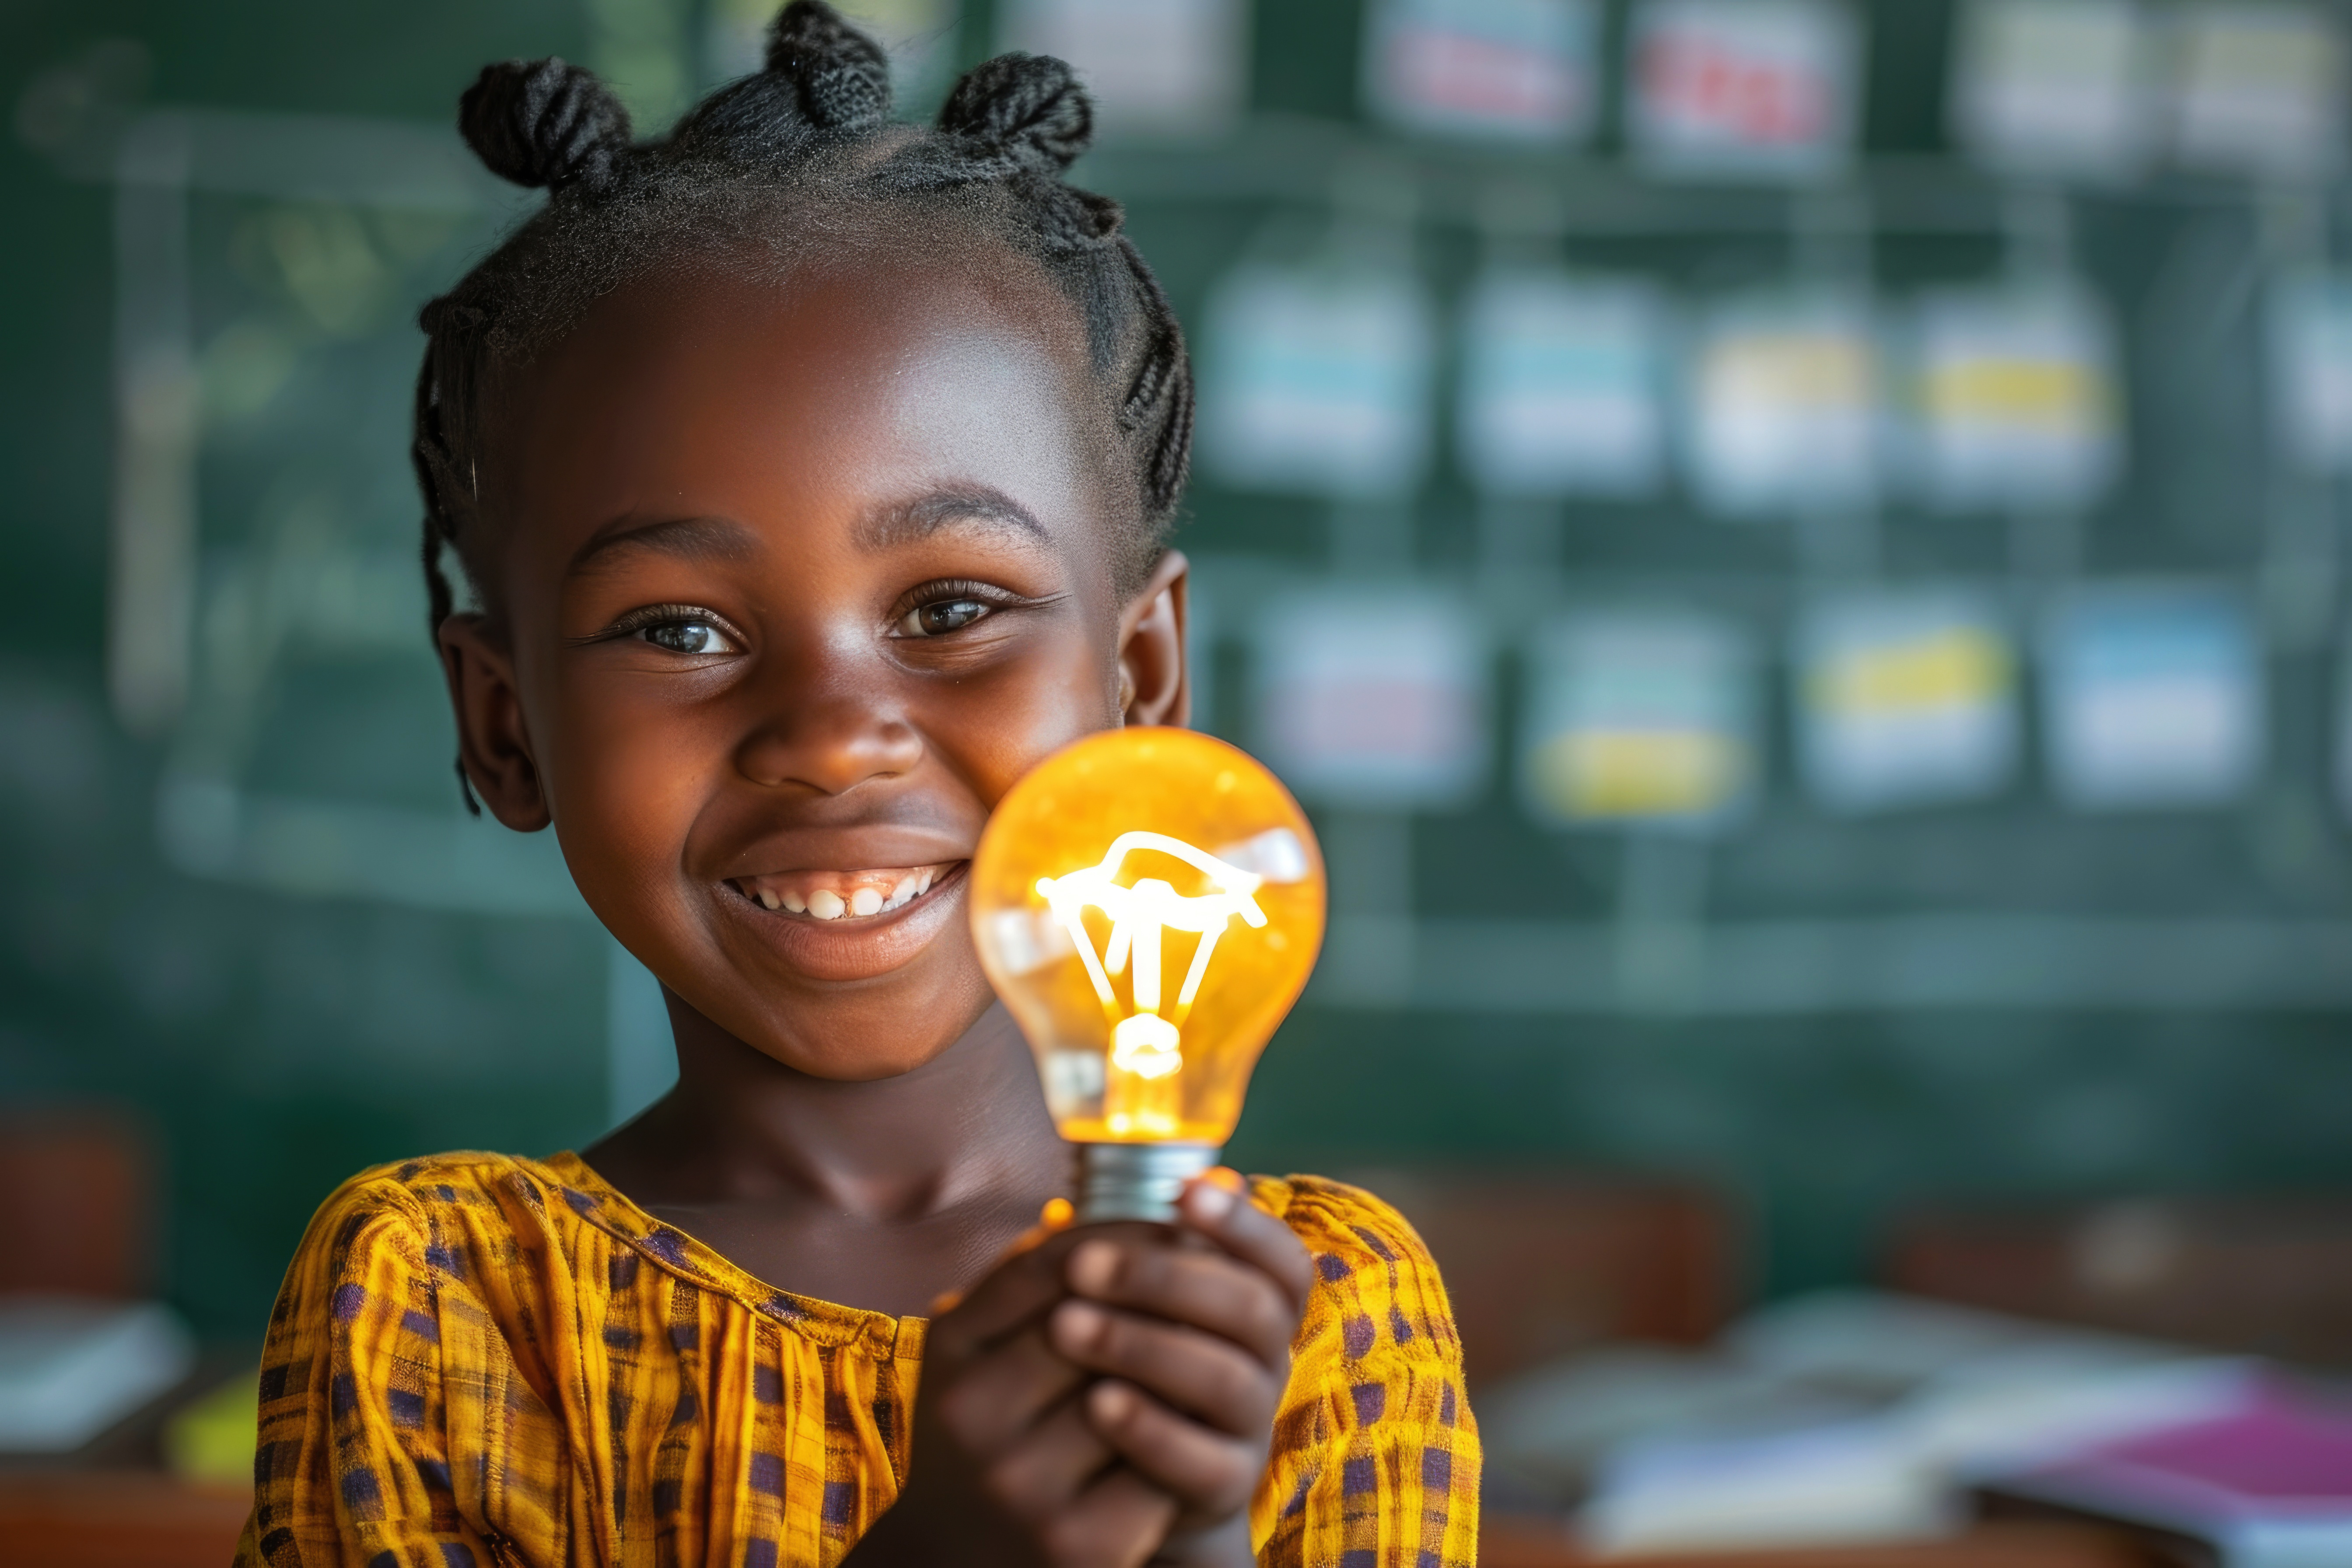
<point x="768" y="169"/>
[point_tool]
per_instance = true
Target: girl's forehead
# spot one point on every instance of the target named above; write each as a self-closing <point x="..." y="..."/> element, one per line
<point x="840" y="379"/>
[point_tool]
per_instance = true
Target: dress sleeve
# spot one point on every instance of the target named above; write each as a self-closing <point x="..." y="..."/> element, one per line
<point x="353" y="1466"/>
<point x="1375" y="1456"/>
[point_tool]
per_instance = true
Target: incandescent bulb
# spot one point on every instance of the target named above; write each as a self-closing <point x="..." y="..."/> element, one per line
<point x="1147" y="903"/>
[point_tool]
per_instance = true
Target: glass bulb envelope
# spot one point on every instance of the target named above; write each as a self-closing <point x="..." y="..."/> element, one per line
<point x="1148" y="902"/>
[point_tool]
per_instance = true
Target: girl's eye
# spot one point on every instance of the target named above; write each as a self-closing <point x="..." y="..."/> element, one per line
<point x="945" y="615"/>
<point x="687" y="636"/>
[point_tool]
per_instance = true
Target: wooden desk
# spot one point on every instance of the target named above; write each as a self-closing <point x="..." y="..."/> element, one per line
<point x="1520" y="1544"/>
<point x="115" y="1519"/>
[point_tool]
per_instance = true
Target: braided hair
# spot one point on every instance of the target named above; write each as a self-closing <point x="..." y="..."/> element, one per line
<point x="758" y="173"/>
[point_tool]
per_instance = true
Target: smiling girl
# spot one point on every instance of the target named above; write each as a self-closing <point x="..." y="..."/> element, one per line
<point x="809" y="473"/>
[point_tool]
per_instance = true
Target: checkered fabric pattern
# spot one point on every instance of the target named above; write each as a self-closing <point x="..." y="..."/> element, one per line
<point x="485" y="1362"/>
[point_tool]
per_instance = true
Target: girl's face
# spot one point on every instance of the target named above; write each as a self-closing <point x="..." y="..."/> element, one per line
<point x="794" y="582"/>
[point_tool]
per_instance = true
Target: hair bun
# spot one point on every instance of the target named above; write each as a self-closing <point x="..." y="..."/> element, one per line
<point x="1027" y="108"/>
<point x="841" y="75"/>
<point x="543" y="123"/>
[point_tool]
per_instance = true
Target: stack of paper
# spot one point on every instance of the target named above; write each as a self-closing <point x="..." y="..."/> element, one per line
<point x="2267" y="1484"/>
<point x="71" y="1367"/>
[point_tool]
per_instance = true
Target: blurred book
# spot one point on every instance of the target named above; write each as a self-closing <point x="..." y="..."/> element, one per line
<point x="2055" y="88"/>
<point x="1784" y="405"/>
<point x="1640" y="719"/>
<point x="1563" y="388"/>
<point x="1744" y="88"/>
<point x="72" y="1366"/>
<point x="1905" y="699"/>
<point x="2308" y="339"/>
<point x="1835" y="1418"/>
<point x="210" y="1440"/>
<point x="2153" y="698"/>
<point x="1166" y="67"/>
<point x="1520" y="70"/>
<point x="2015" y="399"/>
<point x="2259" y="90"/>
<point x="1317" y="381"/>
<point x="2266" y="1484"/>
<point x="1372" y="696"/>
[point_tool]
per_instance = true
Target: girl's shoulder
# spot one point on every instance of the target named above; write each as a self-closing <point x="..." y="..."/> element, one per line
<point x="1377" y="1290"/>
<point x="436" y="1207"/>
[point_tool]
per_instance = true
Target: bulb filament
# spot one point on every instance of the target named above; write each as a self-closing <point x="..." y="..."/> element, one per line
<point x="1144" y="1045"/>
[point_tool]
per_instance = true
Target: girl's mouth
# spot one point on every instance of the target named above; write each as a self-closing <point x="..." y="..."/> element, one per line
<point x="843" y="895"/>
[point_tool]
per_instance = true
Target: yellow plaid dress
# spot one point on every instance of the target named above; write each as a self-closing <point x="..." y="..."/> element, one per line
<point x="484" y="1361"/>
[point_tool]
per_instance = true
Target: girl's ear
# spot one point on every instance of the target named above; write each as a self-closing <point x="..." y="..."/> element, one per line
<point x="1153" y="685"/>
<point x="493" y="747"/>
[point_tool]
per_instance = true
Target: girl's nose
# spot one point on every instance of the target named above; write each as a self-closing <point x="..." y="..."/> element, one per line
<point x="830" y="744"/>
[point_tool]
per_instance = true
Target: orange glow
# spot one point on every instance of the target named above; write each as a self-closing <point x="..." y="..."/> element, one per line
<point x="1197" y="889"/>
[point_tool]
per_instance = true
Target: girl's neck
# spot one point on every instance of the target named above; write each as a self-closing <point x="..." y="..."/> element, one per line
<point x="742" y="1129"/>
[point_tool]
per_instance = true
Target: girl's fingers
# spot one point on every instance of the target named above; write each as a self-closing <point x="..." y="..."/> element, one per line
<point x="1210" y="1472"/>
<point x="1019" y="1288"/>
<point x="1215" y="1208"/>
<point x="1120" y="1521"/>
<point x="1213" y="1291"/>
<point x="1038" y="1477"/>
<point x="1205" y="1376"/>
<point x="1001" y="1392"/>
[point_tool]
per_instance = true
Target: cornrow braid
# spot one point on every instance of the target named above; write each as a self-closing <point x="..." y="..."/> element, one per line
<point x="770" y="165"/>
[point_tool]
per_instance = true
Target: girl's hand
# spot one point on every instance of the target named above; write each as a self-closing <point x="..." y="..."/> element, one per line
<point x="1008" y="1470"/>
<point x="1190" y="1343"/>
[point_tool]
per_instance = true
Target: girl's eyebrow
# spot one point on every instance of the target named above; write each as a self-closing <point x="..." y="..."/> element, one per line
<point x="689" y="537"/>
<point x="906" y="523"/>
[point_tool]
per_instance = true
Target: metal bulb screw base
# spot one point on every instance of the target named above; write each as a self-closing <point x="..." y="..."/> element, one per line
<point x="1137" y="1180"/>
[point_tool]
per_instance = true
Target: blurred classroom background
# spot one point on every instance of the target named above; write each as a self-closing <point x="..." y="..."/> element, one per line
<point x="1794" y="548"/>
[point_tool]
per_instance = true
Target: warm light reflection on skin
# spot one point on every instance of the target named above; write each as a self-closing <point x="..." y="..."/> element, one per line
<point x="1095" y="870"/>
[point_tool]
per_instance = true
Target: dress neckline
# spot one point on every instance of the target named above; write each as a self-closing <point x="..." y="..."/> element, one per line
<point x="605" y="1207"/>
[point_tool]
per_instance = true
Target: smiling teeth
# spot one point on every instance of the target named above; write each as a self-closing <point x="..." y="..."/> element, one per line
<point x="838" y="895"/>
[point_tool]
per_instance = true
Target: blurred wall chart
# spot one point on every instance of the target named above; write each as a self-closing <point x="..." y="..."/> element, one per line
<point x="1794" y="548"/>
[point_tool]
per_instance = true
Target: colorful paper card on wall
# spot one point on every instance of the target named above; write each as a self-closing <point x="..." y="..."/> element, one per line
<point x="2015" y="399"/>
<point x="1562" y="387"/>
<point x="1905" y="699"/>
<point x="2055" y="88"/>
<point x="1640" y="720"/>
<point x="1175" y="68"/>
<point x="2309" y="351"/>
<point x="1317" y="382"/>
<point x="2260" y="89"/>
<point x="1512" y="69"/>
<point x="1757" y="88"/>
<point x="1784" y="414"/>
<point x="2153" y="698"/>
<point x="1372" y="696"/>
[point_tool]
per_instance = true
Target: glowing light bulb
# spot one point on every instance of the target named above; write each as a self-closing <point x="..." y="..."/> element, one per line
<point x="1147" y="903"/>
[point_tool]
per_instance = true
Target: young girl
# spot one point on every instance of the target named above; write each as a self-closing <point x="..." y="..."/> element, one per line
<point x="809" y="472"/>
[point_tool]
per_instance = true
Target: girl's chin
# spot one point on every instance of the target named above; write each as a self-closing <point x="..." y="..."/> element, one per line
<point x="851" y="948"/>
